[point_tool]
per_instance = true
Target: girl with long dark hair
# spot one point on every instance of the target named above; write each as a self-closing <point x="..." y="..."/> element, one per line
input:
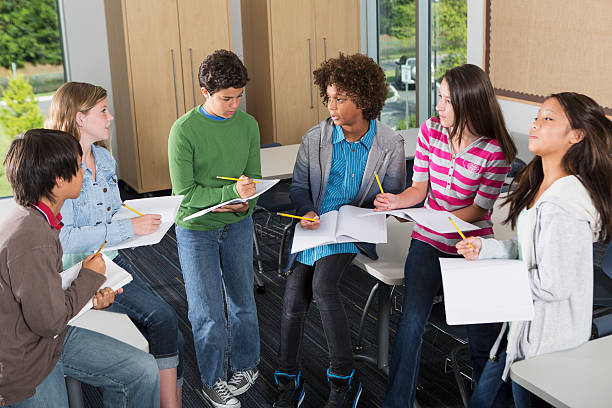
<point x="561" y="204"/>
<point x="462" y="157"/>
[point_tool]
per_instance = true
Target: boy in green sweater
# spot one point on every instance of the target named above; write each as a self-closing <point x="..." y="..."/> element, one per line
<point x="216" y="249"/>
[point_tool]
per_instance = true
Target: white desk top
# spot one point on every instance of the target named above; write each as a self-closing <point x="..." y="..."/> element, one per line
<point x="115" y="325"/>
<point x="278" y="162"/>
<point x="389" y="267"/>
<point x="580" y="377"/>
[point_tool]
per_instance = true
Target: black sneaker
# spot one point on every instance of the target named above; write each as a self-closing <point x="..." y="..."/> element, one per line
<point x="345" y="390"/>
<point x="290" y="390"/>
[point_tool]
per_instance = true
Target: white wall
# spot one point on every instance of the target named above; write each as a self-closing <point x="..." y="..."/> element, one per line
<point x="86" y="45"/>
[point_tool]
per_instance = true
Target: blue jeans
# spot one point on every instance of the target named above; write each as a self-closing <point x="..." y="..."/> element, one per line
<point x="493" y="392"/>
<point x="218" y="264"/>
<point x="156" y="320"/>
<point x="490" y="390"/>
<point x="128" y="377"/>
<point x="422" y="281"/>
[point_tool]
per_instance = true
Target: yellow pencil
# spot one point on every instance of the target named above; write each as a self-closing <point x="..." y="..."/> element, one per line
<point x="130" y="208"/>
<point x="379" y="185"/>
<point x="295" y="216"/>
<point x="101" y="247"/>
<point x="458" y="230"/>
<point x="233" y="179"/>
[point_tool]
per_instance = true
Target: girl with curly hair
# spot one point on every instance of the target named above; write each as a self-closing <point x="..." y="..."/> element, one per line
<point x="336" y="164"/>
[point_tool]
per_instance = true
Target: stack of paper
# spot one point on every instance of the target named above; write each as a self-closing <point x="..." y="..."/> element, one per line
<point x="116" y="278"/>
<point x="344" y="225"/>
<point x="428" y="218"/>
<point x="261" y="187"/>
<point x="167" y="207"/>
<point x="486" y="291"/>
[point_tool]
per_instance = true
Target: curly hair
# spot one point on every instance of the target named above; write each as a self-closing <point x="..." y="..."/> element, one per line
<point x="221" y="70"/>
<point x="360" y="77"/>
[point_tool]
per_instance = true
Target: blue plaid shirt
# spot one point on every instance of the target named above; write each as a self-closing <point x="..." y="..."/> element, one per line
<point x="347" y="167"/>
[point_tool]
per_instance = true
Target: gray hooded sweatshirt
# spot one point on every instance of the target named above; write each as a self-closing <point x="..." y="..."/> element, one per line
<point x="559" y="256"/>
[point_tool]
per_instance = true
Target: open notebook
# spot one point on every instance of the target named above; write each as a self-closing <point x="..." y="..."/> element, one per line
<point x="261" y="187"/>
<point x="428" y="218"/>
<point x="167" y="207"/>
<point x="344" y="225"/>
<point x="116" y="277"/>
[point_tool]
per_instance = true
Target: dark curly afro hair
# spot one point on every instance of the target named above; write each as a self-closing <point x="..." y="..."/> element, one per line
<point x="360" y="77"/>
<point x="221" y="70"/>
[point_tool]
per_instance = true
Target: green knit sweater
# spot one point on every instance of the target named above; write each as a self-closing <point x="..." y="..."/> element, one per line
<point x="199" y="149"/>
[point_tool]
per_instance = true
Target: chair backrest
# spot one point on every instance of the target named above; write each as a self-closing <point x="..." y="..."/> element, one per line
<point x="606" y="262"/>
<point x="501" y="231"/>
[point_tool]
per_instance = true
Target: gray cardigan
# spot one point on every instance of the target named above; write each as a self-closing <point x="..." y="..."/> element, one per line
<point x="560" y="266"/>
<point x="313" y="163"/>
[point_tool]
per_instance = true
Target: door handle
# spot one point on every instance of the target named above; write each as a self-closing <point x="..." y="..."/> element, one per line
<point x="174" y="80"/>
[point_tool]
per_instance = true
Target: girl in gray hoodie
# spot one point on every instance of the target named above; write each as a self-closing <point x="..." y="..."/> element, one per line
<point x="561" y="204"/>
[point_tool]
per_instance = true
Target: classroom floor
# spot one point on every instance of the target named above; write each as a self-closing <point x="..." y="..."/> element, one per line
<point x="159" y="267"/>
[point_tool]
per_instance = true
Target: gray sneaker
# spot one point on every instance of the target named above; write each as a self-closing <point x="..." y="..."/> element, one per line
<point x="219" y="396"/>
<point x="241" y="381"/>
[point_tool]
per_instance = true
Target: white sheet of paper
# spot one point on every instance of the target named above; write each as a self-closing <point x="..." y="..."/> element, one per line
<point x="486" y="291"/>
<point x="260" y="188"/>
<point x="341" y="226"/>
<point x="116" y="277"/>
<point x="325" y="234"/>
<point x="166" y="206"/>
<point x="432" y="219"/>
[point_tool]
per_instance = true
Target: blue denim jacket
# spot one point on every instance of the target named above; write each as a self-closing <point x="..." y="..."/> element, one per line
<point x="87" y="219"/>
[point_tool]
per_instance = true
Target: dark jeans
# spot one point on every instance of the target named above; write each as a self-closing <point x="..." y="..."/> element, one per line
<point x="156" y="320"/>
<point x="422" y="281"/>
<point x="492" y="392"/>
<point x="321" y="282"/>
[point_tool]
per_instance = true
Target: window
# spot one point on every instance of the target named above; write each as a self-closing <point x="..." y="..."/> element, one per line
<point x="30" y="51"/>
<point x="397" y="41"/>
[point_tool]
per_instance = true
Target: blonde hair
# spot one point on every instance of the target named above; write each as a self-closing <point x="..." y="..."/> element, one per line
<point x="70" y="98"/>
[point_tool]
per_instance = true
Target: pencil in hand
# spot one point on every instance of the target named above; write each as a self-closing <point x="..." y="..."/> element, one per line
<point x="296" y="216"/>
<point x="459" y="231"/>
<point x="130" y="208"/>
<point x="379" y="185"/>
<point x="234" y="179"/>
<point x="101" y="248"/>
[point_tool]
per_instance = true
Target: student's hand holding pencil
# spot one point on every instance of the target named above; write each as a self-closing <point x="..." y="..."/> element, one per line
<point x="386" y="201"/>
<point x="146" y="224"/>
<point x="95" y="262"/>
<point x="245" y="187"/>
<point x="310" y="225"/>
<point x="469" y="252"/>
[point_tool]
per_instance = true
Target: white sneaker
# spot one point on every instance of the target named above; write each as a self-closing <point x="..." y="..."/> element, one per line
<point x="220" y="396"/>
<point x="241" y="381"/>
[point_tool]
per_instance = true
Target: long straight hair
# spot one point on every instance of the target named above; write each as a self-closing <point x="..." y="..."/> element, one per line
<point x="476" y="108"/>
<point x="70" y="98"/>
<point x="590" y="160"/>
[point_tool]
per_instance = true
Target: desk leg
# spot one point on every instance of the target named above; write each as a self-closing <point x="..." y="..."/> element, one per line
<point x="384" y="310"/>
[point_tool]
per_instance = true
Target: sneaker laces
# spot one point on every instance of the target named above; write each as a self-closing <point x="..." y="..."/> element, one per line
<point x="220" y="387"/>
<point x="236" y="379"/>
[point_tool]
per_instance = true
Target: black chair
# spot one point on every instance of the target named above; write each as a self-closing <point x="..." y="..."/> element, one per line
<point x="602" y="294"/>
<point x="271" y="227"/>
<point x="516" y="167"/>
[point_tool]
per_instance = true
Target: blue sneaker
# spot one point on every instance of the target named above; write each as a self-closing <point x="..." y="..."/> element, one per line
<point x="290" y="390"/>
<point x="345" y="390"/>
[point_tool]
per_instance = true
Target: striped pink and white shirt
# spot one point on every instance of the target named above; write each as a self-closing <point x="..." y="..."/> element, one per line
<point x="475" y="175"/>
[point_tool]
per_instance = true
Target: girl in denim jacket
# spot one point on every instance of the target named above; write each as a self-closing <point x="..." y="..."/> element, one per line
<point x="81" y="109"/>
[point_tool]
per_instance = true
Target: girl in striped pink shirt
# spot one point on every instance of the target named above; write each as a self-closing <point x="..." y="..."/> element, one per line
<point x="462" y="158"/>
